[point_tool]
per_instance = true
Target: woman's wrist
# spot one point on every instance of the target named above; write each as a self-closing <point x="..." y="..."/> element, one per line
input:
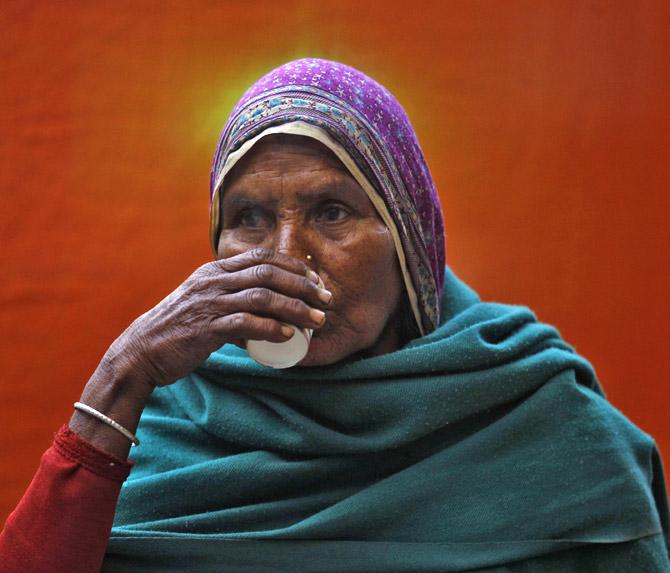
<point x="118" y="391"/>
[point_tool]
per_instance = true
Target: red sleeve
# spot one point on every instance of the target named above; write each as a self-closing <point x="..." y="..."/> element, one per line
<point x="63" y="521"/>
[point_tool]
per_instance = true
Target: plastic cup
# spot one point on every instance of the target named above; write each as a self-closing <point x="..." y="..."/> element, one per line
<point x="281" y="354"/>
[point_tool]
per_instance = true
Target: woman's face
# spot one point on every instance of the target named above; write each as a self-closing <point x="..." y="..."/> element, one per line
<point x="291" y="194"/>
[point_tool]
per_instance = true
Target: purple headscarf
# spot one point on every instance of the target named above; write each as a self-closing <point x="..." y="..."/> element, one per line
<point x="368" y="122"/>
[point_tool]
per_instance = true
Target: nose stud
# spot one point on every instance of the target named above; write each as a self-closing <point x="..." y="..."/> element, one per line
<point x="308" y="257"/>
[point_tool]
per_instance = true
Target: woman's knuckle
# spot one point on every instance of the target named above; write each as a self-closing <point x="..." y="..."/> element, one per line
<point x="259" y="297"/>
<point x="236" y="321"/>
<point x="264" y="273"/>
<point x="300" y="307"/>
<point x="201" y="276"/>
<point x="208" y="268"/>
<point x="259" y="254"/>
<point x="219" y="265"/>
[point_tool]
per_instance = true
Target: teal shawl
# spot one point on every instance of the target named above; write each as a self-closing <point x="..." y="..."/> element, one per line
<point x="486" y="445"/>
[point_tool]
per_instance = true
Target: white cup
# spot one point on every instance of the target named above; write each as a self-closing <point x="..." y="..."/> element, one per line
<point x="281" y="354"/>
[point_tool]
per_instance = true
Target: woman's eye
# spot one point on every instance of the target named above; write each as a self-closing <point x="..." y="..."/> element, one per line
<point x="332" y="213"/>
<point x="251" y="218"/>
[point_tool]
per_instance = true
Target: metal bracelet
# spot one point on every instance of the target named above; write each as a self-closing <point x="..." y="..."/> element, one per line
<point x="107" y="420"/>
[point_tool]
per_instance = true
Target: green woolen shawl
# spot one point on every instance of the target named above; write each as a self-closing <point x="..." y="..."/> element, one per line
<point x="486" y="445"/>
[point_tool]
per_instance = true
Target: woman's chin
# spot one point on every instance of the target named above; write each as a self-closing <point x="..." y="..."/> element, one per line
<point x="323" y="352"/>
<point x="339" y="345"/>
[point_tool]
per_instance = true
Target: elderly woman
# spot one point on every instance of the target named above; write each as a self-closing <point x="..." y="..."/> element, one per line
<point x="424" y="430"/>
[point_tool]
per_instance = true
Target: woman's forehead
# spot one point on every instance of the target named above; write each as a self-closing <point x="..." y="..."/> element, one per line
<point x="316" y="173"/>
<point x="277" y="154"/>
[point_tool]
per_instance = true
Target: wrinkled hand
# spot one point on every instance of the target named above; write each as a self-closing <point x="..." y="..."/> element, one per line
<point x="249" y="296"/>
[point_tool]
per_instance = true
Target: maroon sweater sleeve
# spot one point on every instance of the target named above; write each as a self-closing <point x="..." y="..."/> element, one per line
<point x="63" y="521"/>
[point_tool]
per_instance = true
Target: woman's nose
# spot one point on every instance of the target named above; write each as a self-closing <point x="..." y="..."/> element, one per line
<point x="290" y="240"/>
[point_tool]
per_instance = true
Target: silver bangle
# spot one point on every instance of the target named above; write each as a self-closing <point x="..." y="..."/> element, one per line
<point x="100" y="416"/>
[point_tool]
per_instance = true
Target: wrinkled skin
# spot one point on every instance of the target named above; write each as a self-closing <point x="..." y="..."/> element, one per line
<point x="291" y="195"/>
<point x="287" y="198"/>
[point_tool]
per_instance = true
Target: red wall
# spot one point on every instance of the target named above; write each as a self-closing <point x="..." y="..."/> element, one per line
<point x="546" y="125"/>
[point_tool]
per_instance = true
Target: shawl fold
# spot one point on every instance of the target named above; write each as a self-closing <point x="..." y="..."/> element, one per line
<point x="485" y="444"/>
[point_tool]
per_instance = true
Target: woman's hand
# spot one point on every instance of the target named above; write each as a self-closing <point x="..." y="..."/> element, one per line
<point x="249" y="296"/>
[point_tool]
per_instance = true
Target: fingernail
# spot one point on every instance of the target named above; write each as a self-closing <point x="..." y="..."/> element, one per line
<point x="311" y="275"/>
<point x="317" y="315"/>
<point x="325" y="296"/>
<point x="287" y="331"/>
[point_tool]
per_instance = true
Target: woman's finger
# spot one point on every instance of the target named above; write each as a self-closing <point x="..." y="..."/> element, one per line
<point x="270" y="304"/>
<point x="247" y="326"/>
<point x="259" y="256"/>
<point x="271" y="277"/>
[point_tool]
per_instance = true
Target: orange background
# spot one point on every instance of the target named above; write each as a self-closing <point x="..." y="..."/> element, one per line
<point x="546" y="125"/>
